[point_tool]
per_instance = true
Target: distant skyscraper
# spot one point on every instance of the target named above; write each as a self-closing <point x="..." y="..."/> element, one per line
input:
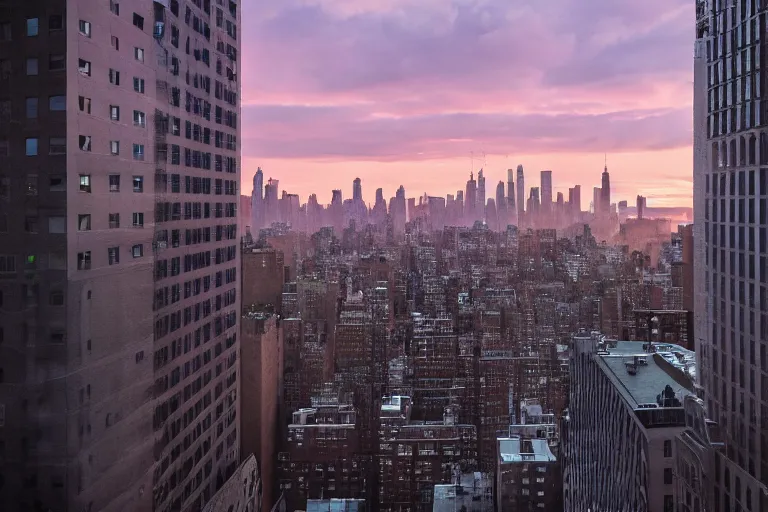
<point x="480" y="194"/>
<point x="271" y="206"/>
<point x="501" y="205"/>
<point x="520" y="193"/>
<point x="257" y="203"/>
<point x="357" y="190"/>
<point x="546" y="192"/>
<point x="596" y="200"/>
<point x="640" y="207"/>
<point x="605" y="193"/>
<point x="577" y="199"/>
<point x="470" y="200"/>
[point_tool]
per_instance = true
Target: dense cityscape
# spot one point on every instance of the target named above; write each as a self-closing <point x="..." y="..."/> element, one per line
<point x="503" y="348"/>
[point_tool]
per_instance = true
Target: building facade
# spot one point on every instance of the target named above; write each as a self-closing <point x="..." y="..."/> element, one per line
<point x="118" y="370"/>
<point x="624" y="413"/>
<point x="730" y="223"/>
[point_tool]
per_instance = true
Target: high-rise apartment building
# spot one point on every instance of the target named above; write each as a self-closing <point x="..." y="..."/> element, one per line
<point x="119" y="162"/>
<point x="546" y="193"/>
<point x="605" y="192"/>
<point x="730" y="219"/>
<point x="520" y="193"/>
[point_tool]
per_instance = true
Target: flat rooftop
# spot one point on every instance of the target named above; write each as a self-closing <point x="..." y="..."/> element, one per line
<point x="651" y="378"/>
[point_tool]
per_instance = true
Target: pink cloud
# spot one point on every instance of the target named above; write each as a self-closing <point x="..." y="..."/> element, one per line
<point x="398" y="84"/>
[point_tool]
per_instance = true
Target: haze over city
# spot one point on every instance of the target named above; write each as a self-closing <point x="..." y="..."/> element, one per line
<point x="402" y="92"/>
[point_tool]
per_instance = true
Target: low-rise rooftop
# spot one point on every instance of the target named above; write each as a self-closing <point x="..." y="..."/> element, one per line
<point x="641" y="376"/>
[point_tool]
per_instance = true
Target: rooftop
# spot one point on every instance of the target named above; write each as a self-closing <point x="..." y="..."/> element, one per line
<point x="516" y="449"/>
<point x="641" y="376"/>
<point x="475" y="492"/>
<point x="336" y="505"/>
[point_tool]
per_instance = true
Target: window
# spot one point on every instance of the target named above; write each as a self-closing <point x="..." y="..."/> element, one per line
<point x="114" y="255"/>
<point x="114" y="77"/>
<point x="137" y="250"/>
<point x="55" y="22"/>
<point x="84" y="222"/>
<point x="57" y="103"/>
<point x="668" y="448"/>
<point x="84" y="67"/>
<point x="138" y="54"/>
<point x="31" y="67"/>
<point x="138" y="21"/>
<point x="33" y="27"/>
<point x="85" y="142"/>
<point x="667" y="476"/>
<point x="30" y="224"/>
<point x="114" y="220"/>
<point x="114" y="112"/>
<point x="138" y="84"/>
<point x="31" y="188"/>
<point x="57" y="224"/>
<point x="114" y="183"/>
<point x="57" y="146"/>
<point x="669" y="503"/>
<point x="31" y="146"/>
<point x="56" y="298"/>
<point x="5" y="31"/>
<point x="115" y="43"/>
<point x="139" y="118"/>
<point x="138" y="220"/>
<point x="114" y="7"/>
<point x="114" y="147"/>
<point x="84" y="260"/>
<point x="31" y="108"/>
<point x="138" y="151"/>
<point x="56" y="62"/>
<point x="85" y="183"/>
<point x="57" y="183"/>
<point x="138" y="184"/>
<point x="85" y="28"/>
<point x="85" y="104"/>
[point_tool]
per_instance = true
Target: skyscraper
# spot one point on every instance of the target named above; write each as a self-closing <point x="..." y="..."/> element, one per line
<point x="501" y="205"/>
<point x="511" y="203"/>
<point x="257" y="202"/>
<point x="546" y="193"/>
<point x="357" y="190"/>
<point x="605" y="192"/>
<point x="730" y="292"/>
<point x="480" y="195"/>
<point x="520" y="193"/>
<point x="597" y="201"/>
<point x="121" y="312"/>
<point x="470" y="200"/>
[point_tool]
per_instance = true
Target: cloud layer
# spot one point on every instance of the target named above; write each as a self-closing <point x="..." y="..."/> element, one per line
<point x="415" y="80"/>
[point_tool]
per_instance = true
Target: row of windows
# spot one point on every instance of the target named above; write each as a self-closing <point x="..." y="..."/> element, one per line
<point x="113" y="256"/>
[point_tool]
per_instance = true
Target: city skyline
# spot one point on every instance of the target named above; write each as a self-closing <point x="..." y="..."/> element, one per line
<point x="560" y="107"/>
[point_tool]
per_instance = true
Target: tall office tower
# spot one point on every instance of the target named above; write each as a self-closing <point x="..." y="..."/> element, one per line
<point x="357" y="190"/>
<point x="257" y="203"/>
<point x="605" y="192"/>
<point x="470" y="202"/>
<point x="560" y="209"/>
<point x="576" y="202"/>
<point x="99" y="406"/>
<point x="271" y="202"/>
<point x="597" y="200"/>
<point x="546" y="193"/>
<point x="501" y="206"/>
<point x="520" y="193"/>
<point x="640" y="207"/>
<point x="730" y="196"/>
<point x="535" y="198"/>
<point x="481" y="194"/>
<point x="511" y="203"/>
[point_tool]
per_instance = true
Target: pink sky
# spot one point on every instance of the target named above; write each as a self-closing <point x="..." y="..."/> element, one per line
<point x="401" y="92"/>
